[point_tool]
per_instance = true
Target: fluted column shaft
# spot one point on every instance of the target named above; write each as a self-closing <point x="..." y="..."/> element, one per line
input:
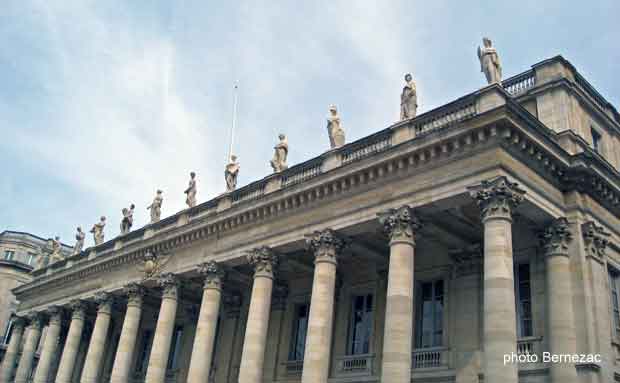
<point x="50" y="346"/>
<point x="158" y="361"/>
<point x="129" y="333"/>
<point x="326" y="246"/>
<point x="497" y="199"/>
<point x="400" y="225"/>
<point x="72" y="344"/>
<point x="253" y="354"/>
<point x="33" y="335"/>
<point x="204" y="340"/>
<point x="96" y="347"/>
<point x="10" y="356"/>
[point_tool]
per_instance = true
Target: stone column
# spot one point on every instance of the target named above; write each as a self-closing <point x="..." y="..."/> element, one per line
<point x="204" y="340"/>
<point x="559" y="304"/>
<point x="10" y="356"/>
<point x="33" y="335"/>
<point x="72" y="344"/>
<point x="49" y="346"/>
<point x="497" y="200"/>
<point x="96" y="347"/>
<point x="229" y="341"/>
<point x="264" y="261"/>
<point x="326" y="246"/>
<point x="127" y="341"/>
<point x="401" y="226"/>
<point x="158" y="361"/>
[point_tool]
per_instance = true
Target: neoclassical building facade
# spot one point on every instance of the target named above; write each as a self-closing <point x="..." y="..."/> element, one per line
<point x="429" y="251"/>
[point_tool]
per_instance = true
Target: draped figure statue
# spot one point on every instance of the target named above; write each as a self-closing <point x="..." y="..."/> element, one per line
<point x="489" y="62"/>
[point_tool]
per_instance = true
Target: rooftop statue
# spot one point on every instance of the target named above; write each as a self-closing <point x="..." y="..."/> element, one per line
<point x="334" y="128"/>
<point x="231" y="172"/>
<point x="79" y="241"/>
<point x="191" y="190"/>
<point x="127" y="220"/>
<point x="278" y="162"/>
<point x="408" y="99"/>
<point x="489" y="62"/>
<point x="155" y="207"/>
<point x="97" y="231"/>
<point x="56" y="254"/>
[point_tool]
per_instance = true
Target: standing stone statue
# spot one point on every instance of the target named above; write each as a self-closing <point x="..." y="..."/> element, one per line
<point x="334" y="128"/>
<point x="191" y="190"/>
<point x="489" y="62"/>
<point x="278" y="162"/>
<point x="79" y="241"/>
<point x="97" y="231"/>
<point x="127" y="220"/>
<point x="155" y="207"/>
<point x="408" y="99"/>
<point x="231" y="172"/>
<point x="56" y="254"/>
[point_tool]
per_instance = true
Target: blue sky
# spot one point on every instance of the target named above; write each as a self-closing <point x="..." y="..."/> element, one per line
<point x="103" y="102"/>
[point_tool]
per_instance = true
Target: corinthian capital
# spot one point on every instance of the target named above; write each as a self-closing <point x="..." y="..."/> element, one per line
<point x="264" y="260"/>
<point x="135" y="294"/>
<point x="55" y="314"/>
<point x="497" y="198"/>
<point x="400" y="224"/>
<point x="326" y="245"/>
<point x="170" y="285"/>
<point x="595" y="239"/>
<point x="35" y="320"/>
<point x="556" y="238"/>
<point x="213" y="274"/>
<point x="78" y="309"/>
<point x="104" y="301"/>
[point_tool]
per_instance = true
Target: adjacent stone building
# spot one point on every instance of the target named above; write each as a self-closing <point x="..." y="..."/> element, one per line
<point x="426" y="252"/>
<point x="19" y="255"/>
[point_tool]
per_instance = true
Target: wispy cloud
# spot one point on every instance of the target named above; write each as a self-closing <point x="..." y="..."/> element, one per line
<point x="101" y="103"/>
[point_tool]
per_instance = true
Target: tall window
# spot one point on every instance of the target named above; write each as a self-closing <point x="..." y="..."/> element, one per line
<point x="9" y="255"/>
<point x="173" y="358"/>
<point x="145" y="350"/>
<point x="523" y="299"/>
<point x="30" y="259"/>
<point x="596" y="140"/>
<point x="7" y="334"/>
<point x="429" y="320"/>
<point x="300" y="328"/>
<point x="361" y="325"/>
<point x="613" y="288"/>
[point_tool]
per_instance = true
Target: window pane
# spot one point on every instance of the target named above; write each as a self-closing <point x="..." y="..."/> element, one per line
<point x="361" y="325"/>
<point x="300" y="328"/>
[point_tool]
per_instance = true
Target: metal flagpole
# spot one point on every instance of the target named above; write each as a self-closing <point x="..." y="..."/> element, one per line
<point x="234" y="120"/>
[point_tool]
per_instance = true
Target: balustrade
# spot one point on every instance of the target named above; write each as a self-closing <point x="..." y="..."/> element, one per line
<point x="355" y="364"/>
<point x="431" y="357"/>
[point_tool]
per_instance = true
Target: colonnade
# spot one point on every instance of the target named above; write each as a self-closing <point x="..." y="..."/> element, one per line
<point x="497" y="200"/>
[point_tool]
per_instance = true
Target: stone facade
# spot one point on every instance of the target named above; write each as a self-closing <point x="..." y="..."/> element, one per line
<point x="19" y="255"/>
<point x="427" y="252"/>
